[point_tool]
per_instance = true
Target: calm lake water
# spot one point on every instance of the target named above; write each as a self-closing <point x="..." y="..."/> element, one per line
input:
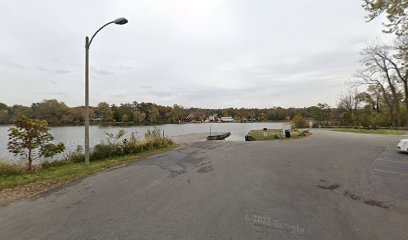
<point x="72" y="136"/>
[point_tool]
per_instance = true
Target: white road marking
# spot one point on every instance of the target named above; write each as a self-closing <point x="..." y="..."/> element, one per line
<point x="390" y="172"/>
<point x="391" y="161"/>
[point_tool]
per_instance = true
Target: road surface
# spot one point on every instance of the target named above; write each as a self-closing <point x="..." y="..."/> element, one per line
<point x="330" y="185"/>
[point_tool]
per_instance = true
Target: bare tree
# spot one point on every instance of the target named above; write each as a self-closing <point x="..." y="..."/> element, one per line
<point x="399" y="62"/>
<point x="350" y="101"/>
<point x="373" y="98"/>
<point x="379" y="70"/>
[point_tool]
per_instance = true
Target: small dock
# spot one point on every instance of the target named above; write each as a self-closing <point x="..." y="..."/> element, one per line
<point x="220" y="136"/>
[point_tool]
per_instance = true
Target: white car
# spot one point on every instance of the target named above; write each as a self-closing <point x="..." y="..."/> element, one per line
<point x="403" y="145"/>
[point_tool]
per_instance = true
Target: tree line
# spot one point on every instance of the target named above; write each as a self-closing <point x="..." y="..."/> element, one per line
<point x="371" y="108"/>
<point x="58" y="113"/>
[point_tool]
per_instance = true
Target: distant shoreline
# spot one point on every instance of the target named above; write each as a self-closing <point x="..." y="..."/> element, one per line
<point x="130" y="124"/>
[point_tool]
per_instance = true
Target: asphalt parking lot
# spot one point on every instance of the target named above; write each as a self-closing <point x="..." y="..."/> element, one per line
<point x="389" y="172"/>
<point x="330" y="185"/>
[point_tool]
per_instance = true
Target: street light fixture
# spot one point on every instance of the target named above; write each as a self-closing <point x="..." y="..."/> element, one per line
<point x="119" y="21"/>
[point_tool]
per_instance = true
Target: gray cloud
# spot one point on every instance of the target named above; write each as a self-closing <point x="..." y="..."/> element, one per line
<point x="53" y="71"/>
<point x="160" y="92"/>
<point x="14" y="65"/>
<point x="53" y="94"/>
<point x="61" y="71"/>
<point x="101" y="72"/>
<point x="194" y="53"/>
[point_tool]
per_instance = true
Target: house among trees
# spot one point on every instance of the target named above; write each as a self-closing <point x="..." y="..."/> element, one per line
<point x="212" y="118"/>
<point x="195" y="116"/>
<point x="227" y="119"/>
<point x="189" y="118"/>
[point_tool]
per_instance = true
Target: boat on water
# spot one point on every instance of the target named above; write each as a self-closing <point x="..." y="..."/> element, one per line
<point x="227" y="119"/>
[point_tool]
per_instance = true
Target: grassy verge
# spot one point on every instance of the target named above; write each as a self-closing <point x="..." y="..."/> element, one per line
<point x="67" y="171"/>
<point x="275" y="134"/>
<point x="371" y="131"/>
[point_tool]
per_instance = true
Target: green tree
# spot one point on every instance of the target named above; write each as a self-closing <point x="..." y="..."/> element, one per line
<point x="177" y="113"/>
<point x="243" y="114"/>
<point x="4" y="116"/>
<point x="115" y="110"/>
<point x="3" y="106"/>
<point x="4" y="113"/>
<point x="395" y="12"/>
<point x="124" y="118"/>
<point x="104" y="111"/>
<point x="153" y="114"/>
<point x="52" y="111"/>
<point x="17" y="111"/>
<point x="78" y="114"/>
<point x="263" y="116"/>
<point x="126" y="109"/>
<point x="139" y="117"/>
<point x="31" y="139"/>
<point x="320" y="113"/>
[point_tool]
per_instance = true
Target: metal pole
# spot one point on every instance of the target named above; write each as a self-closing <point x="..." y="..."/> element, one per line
<point x="88" y="42"/>
<point x="86" y="100"/>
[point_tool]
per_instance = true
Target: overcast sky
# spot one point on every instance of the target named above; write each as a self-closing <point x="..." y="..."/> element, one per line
<point x="207" y="53"/>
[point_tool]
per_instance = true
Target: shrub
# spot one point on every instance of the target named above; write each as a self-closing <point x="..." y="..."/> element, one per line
<point x="76" y="156"/>
<point x="103" y="151"/>
<point x="132" y="148"/>
<point x="157" y="141"/>
<point x="299" y="122"/>
<point x="114" y="147"/>
<point x="7" y="169"/>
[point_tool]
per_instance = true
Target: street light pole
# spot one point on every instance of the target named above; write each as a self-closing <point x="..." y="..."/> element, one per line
<point x="86" y="100"/>
<point x="119" y="21"/>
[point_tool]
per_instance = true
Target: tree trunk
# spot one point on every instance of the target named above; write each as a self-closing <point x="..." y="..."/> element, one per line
<point x="406" y="103"/>
<point x="395" y="102"/>
<point x="397" y="113"/>
<point x="390" y="106"/>
<point x="403" y="78"/>
<point x="30" y="160"/>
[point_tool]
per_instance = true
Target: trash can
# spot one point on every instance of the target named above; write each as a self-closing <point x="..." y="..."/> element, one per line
<point x="287" y="133"/>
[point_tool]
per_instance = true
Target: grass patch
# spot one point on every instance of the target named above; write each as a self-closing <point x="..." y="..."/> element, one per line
<point x="276" y="134"/>
<point x="18" y="181"/>
<point x="371" y="131"/>
<point x="66" y="171"/>
<point x="8" y="169"/>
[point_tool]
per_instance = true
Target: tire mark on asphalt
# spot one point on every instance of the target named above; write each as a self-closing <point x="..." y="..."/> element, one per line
<point x="353" y="196"/>
<point x="205" y="169"/>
